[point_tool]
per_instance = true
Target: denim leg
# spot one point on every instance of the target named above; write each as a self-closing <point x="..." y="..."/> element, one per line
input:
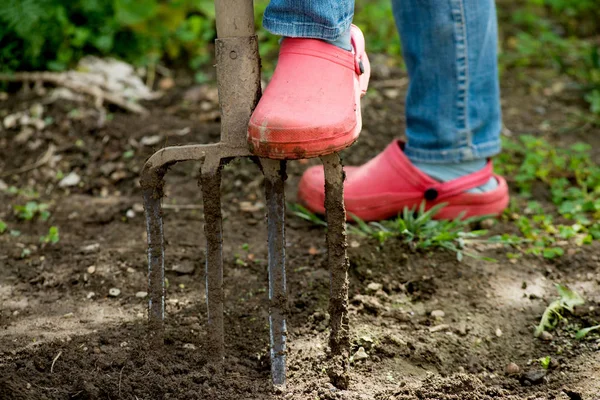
<point x="319" y="19"/>
<point x="453" y="101"/>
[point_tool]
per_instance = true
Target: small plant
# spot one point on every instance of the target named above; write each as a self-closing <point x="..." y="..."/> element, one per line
<point x="554" y="312"/>
<point x="3" y="227"/>
<point x="573" y="180"/>
<point x="25" y="253"/>
<point x="418" y="228"/>
<point x="32" y="209"/>
<point x="415" y="227"/>
<point x="305" y="214"/>
<point x="52" y="237"/>
<point x="545" y="362"/>
<point x="584" y="332"/>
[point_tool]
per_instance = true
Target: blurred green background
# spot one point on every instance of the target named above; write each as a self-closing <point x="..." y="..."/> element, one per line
<point x="557" y="36"/>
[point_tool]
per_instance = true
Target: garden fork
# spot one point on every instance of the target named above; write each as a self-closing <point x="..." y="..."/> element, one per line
<point x="238" y="79"/>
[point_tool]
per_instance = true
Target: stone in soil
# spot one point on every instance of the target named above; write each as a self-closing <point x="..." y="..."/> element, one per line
<point x="533" y="377"/>
<point x="438" y="314"/>
<point x="512" y="369"/>
<point x="361" y="354"/>
<point x="374" y="287"/>
<point x="185" y="268"/>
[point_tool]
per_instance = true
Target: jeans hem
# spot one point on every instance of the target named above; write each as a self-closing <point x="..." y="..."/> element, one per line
<point x="311" y="30"/>
<point x="469" y="153"/>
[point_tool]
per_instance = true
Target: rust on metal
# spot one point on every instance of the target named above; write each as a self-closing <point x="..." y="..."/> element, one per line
<point x="339" y="339"/>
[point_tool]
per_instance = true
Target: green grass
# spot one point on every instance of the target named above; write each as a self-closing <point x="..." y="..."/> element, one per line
<point x="573" y="180"/>
<point x="31" y="210"/>
<point x="415" y="227"/>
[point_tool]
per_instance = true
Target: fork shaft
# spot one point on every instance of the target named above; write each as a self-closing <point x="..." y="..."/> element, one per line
<point x="213" y="229"/>
<point x="339" y="339"/>
<point x="274" y="190"/>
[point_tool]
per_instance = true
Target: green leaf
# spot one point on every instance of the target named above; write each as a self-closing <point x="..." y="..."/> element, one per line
<point x="545" y="362"/>
<point x="132" y="12"/>
<point x="583" y="332"/>
<point x="52" y="236"/>
<point x="3" y="226"/>
<point x="553" y="252"/>
<point x="550" y="318"/>
<point x="569" y="298"/>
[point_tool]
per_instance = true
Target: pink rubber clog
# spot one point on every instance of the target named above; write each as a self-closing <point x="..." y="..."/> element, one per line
<point x="311" y="107"/>
<point x="384" y="186"/>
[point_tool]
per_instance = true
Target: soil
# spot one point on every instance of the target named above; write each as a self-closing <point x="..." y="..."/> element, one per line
<point x="64" y="336"/>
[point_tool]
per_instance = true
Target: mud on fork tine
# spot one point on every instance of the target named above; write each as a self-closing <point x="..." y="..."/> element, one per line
<point x="238" y="79"/>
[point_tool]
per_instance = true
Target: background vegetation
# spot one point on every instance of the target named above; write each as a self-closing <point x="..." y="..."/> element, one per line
<point x="558" y="35"/>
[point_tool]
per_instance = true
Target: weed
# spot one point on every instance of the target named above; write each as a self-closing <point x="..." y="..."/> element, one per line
<point x="554" y="312"/>
<point x="127" y="155"/>
<point x="32" y="209"/>
<point x="584" y="332"/>
<point x="573" y="180"/>
<point x="545" y="362"/>
<point x="25" y="253"/>
<point x="302" y="212"/>
<point x="417" y="228"/>
<point x="559" y="35"/>
<point x="3" y="227"/>
<point x="52" y="237"/>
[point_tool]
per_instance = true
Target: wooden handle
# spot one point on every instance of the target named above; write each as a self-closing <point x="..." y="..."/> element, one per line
<point x="235" y="18"/>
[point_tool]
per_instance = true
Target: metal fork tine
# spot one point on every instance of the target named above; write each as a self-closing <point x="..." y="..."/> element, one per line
<point x="213" y="229"/>
<point x="152" y="185"/>
<point x="274" y="172"/>
<point x="339" y="339"/>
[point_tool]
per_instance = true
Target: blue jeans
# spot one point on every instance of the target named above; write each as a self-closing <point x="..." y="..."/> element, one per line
<point x="450" y="50"/>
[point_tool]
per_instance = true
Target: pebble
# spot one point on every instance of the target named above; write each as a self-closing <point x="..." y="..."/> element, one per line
<point x="72" y="179"/>
<point x="361" y="354"/>
<point x="91" y="269"/>
<point x="114" y="292"/>
<point x="150" y="140"/>
<point x="189" y="346"/>
<point x="438" y="314"/>
<point x="374" y="287"/>
<point x="90" y="295"/>
<point x="546" y="336"/>
<point x="141" y="295"/>
<point x="533" y="377"/>
<point x="488" y="223"/>
<point x="439" y="328"/>
<point x="90" y="248"/>
<point x="512" y="369"/>
<point x="185" y="268"/>
<point x="498" y="332"/>
<point x="130" y="214"/>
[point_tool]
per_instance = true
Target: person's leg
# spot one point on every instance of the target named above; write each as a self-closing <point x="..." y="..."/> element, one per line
<point x="453" y="121"/>
<point x="327" y="20"/>
<point x="453" y="117"/>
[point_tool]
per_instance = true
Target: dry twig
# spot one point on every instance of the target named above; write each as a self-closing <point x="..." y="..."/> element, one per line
<point x="43" y="160"/>
<point x="61" y="79"/>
